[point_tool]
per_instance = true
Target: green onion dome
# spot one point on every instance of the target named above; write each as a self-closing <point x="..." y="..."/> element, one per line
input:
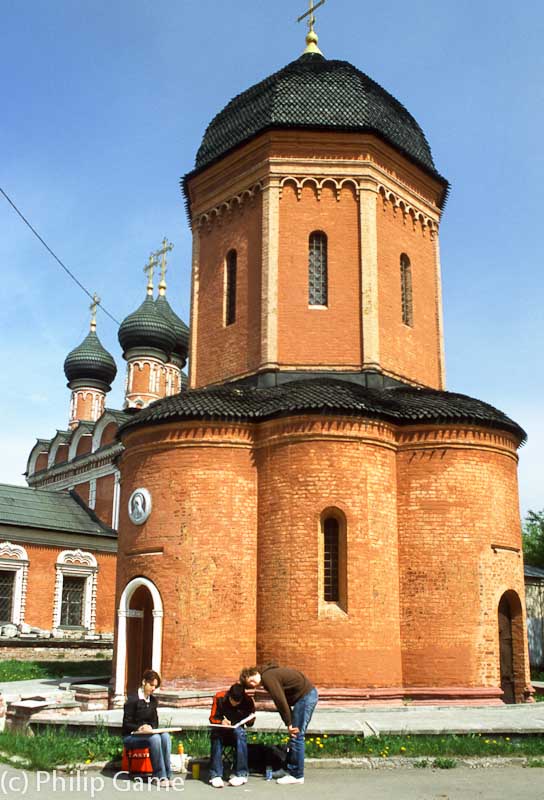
<point x="90" y="361"/>
<point x="146" y="328"/>
<point x="181" y="330"/>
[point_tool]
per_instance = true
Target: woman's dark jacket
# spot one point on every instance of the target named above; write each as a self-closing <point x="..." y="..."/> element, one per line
<point x="137" y="712"/>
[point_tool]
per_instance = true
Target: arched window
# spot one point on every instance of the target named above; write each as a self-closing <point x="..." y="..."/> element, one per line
<point x="317" y="269"/>
<point x="333" y="562"/>
<point x="406" y="290"/>
<point x="230" y="287"/>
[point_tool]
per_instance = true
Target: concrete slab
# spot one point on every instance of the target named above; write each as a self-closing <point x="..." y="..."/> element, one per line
<point x="519" y="719"/>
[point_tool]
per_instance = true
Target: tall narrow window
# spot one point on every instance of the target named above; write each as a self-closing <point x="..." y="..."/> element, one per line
<point x="72" y="601"/>
<point x="331" y="566"/>
<point x="317" y="269"/>
<point x="230" y="288"/>
<point x="7" y="584"/>
<point x="406" y="290"/>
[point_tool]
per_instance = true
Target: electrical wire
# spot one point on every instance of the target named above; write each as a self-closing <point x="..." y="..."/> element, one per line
<point x="65" y="268"/>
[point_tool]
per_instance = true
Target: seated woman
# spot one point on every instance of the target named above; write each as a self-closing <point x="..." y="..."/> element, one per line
<point x="140" y="714"/>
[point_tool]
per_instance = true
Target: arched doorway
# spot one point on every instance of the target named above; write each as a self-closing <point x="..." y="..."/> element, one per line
<point x="510" y="619"/>
<point x="139" y="635"/>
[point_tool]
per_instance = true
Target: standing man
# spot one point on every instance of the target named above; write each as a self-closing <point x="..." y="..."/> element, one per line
<point x="228" y="709"/>
<point x="295" y="698"/>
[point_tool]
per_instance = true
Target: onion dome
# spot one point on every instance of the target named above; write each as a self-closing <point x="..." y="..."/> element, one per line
<point x="313" y="92"/>
<point x="90" y="362"/>
<point x="147" y="329"/>
<point x="181" y="345"/>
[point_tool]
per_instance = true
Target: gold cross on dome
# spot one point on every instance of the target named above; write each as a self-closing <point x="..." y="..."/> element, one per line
<point x="166" y="248"/>
<point x="310" y="14"/>
<point x="94" y="305"/>
<point x="150" y="269"/>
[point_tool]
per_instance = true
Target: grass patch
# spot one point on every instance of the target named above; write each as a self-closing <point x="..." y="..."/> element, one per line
<point x="13" y="670"/>
<point x="50" y="748"/>
<point x="444" y="763"/>
<point x="420" y="747"/>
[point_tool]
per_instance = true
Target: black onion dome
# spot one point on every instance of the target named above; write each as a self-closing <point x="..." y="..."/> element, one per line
<point x="90" y="361"/>
<point x="333" y="396"/>
<point x="147" y="328"/>
<point x="181" y="330"/>
<point x="314" y="92"/>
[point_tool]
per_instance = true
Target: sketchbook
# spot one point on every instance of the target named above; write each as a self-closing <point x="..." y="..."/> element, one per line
<point x="231" y="727"/>
<point x="155" y="730"/>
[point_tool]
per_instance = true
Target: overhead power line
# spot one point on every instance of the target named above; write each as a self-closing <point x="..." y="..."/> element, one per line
<point x="57" y="259"/>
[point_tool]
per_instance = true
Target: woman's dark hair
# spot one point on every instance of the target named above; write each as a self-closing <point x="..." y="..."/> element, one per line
<point x="150" y="675"/>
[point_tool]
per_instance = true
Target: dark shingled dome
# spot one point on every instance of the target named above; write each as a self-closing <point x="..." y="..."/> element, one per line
<point x="90" y="361"/>
<point x="148" y="328"/>
<point x="181" y="330"/>
<point x="314" y="92"/>
<point x="401" y="406"/>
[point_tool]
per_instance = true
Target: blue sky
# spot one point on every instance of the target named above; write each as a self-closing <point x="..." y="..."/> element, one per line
<point x="105" y="104"/>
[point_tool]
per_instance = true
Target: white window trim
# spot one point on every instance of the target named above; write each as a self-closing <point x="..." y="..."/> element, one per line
<point x="13" y="557"/>
<point x="76" y="563"/>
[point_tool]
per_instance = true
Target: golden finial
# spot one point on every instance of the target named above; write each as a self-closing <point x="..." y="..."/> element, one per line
<point x="166" y="247"/>
<point x="150" y="269"/>
<point x="94" y="305"/>
<point x="311" y="36"/>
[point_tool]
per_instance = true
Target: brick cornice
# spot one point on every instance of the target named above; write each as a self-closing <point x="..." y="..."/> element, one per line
<point x="289" y="430"/>
<point x="188" y="434"/>
<point x="433" y="437"/>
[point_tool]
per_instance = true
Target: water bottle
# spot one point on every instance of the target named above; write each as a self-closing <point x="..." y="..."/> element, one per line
<point x="268" y="774"/>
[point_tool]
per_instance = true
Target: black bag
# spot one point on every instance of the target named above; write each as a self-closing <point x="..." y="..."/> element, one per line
<point x="261" y="756"/>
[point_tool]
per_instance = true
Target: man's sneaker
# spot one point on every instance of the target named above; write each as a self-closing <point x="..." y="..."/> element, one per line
<point x="289" y="779"/>
<point x="217" y="783"/>
<point x="278" y="773"/>
<point x="237" y="780"/>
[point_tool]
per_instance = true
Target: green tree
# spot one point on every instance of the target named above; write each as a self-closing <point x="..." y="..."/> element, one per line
<point x="533" y="538"/>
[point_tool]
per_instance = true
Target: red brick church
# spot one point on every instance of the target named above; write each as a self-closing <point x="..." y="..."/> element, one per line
<point x="316" y="496"/>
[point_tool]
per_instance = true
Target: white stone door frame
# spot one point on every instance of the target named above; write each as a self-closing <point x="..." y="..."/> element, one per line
<point x="123" y="612"/>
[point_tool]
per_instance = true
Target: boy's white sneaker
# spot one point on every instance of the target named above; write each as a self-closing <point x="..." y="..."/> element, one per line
<point x="289" y="779"/>
<point x="217" y="783"/>
<point x="237" y="780"/>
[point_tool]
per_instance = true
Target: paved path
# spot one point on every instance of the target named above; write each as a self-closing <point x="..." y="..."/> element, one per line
<point x="419" y="719"/>
<point x="509" y="783"/>
<point x="528" y="718"/>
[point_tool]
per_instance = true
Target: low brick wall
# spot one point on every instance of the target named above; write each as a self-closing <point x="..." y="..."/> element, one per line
<point x="53" y="650"/>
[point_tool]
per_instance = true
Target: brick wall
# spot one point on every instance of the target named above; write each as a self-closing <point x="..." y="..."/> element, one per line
<point x="232" y="544"/>
<point x="83" y="490"/>
<point x="306" y="466"/>
<point x="103" y="506"/>
<point x="201" y="540"/>
<point x="227" y="350"/>
<point x="325" y="336"/>
<point x="457" y="497"/>
<point x="41" y="587"/>
<point x="410" y="352"/>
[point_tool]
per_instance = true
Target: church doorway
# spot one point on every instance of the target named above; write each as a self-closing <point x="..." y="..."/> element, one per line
<point x="510" y="619"/>
<point x="139" y="635"/>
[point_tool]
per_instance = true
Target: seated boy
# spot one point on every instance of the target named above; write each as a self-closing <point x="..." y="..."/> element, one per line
<point x="228" y="708"/>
